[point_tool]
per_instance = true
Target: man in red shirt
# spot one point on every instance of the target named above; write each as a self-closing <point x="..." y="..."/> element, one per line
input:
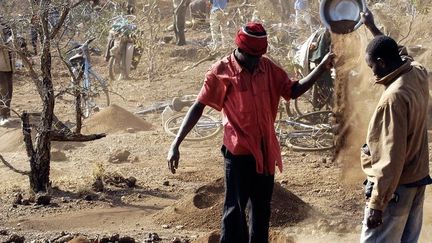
<point x="246" y="87"/>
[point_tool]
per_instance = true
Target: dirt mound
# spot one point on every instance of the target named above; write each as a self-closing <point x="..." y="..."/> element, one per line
<point x="203" y="210"/>
<point x="12" y="141"/>
<point x="115" y="119"/>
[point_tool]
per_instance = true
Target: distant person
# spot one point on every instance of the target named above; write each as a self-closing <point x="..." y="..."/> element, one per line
<point x="302" y="14"/>
<point x="180" y="9"/>
<point x="6" y="73"/>
<point x="246" y="87"/>
<point x="218" y="21"/>
<point x="395" y="157"/>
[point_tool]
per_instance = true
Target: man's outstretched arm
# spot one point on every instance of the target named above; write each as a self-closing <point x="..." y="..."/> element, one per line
<point x="306" y="83"/>
<point x="189" y="122"/>
<point x="368" y="20"/>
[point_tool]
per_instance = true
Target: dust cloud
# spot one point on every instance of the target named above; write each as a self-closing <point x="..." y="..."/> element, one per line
<point x="356" y="98"/>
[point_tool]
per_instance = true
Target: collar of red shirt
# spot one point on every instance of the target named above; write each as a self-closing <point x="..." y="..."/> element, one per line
<point x="238" y="68"/>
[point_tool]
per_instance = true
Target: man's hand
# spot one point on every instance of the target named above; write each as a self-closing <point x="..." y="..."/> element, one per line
<point x="374" y="218"/>
<point x="367" y="18"/>
<point x="173" y="158"/>
<point x="328" y="61"/>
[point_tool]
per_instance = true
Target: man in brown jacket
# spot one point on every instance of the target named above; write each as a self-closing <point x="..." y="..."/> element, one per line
<point x="6" y="68"/>
<point x="395" y="157"/>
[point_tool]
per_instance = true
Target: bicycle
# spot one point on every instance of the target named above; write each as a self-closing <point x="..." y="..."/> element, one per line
<point x="86" y="84"/>
<point x="125" y="47"/>
<point x="309" y="132"/>
<point x="320" y="96"/>
<point x="208" y="126"/>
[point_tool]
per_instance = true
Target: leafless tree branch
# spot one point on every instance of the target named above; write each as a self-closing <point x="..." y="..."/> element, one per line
<point x="13" y="168"/>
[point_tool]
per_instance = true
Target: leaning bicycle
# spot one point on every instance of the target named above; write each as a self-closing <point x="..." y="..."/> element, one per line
<point x="125" y="47"/>
<point x="91" y="88"/>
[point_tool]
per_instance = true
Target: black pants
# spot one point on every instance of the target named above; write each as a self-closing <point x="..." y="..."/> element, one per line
<point x="243" y="185"/>
<point x="6" y="88"/>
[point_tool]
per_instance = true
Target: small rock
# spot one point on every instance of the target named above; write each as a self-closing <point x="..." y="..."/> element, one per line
<point x="43" y="199"/>
<point x="126" y="239"/>
<point x="15" y="239"/>
<point x="166" y="183"/>
<point x="65" y="200"/>
<point x="153" y="237"/>
<point x="98" y="185"/>
<point x="179" y="227"/>
<point x="25" y="202"/>
<point x="166" y="226"/>
<point x="131" y="181"/>
<point x="176" y="240"/>
<point x="70" y="239"/>
<point x="130" y="130"/>
<point x="284" y="182"/>
<point x="4" y="232"/>
<point x="115" y="237"/>
<point x="17" y="199"/>
<point x="119" y="156"/>
<point x="315" y="165"/>
<point x="323" y="160"/>
<point x="90" y="197"/>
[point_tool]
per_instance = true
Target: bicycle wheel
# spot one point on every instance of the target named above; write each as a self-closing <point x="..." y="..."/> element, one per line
<point x="115" y="68"/>
<point x="206" y="127"/>
<point x="315" y="118"/>
<point x="310" y="140"/>
<point x="95" y="96"/>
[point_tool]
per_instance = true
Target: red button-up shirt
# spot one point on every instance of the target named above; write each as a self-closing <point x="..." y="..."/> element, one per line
<point x="249" y="104"/>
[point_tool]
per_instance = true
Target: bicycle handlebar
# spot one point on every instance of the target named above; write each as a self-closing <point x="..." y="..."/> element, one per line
<point x="77" y="45"/>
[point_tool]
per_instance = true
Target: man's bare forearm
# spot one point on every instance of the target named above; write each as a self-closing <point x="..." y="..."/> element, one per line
<point x="306" y="83"/>
<point x="189" y="122"/>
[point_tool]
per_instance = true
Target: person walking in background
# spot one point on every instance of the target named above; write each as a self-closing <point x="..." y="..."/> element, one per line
<point x="6" y="72"/>
<point x="395" y="157"/>
<point x="247" y="88"/>
<point x="218" y="22"/>
<point x="302" y="14"/>
<point x="180" y="9"/>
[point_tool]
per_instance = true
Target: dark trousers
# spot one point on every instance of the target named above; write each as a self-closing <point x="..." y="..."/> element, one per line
<point x="6" y="88"/>
<point x="242" y="186"/>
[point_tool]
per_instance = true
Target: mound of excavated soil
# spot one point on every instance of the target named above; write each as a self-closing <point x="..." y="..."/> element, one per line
<point x="203" y="209"/>
<point x="115" y="119"/>
<point x="12" y="141"/>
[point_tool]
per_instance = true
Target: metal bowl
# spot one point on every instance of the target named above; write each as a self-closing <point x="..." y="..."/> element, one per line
<point x="341" y="16"/>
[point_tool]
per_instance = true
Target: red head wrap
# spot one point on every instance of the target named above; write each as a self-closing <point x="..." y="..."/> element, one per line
<point x="252" y="38"/>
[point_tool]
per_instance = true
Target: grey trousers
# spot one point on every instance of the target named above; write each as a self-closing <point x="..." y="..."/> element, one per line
<point x="6" y="88"/>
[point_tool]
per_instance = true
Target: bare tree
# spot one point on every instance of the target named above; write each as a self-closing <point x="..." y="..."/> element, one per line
<point x="39" y="151"/>
<point x="151" y="19"/>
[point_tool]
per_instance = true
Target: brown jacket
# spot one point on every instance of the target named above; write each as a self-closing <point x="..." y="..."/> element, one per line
<point x="397" y="134"/>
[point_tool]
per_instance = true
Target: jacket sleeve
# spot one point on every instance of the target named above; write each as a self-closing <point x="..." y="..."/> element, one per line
<point x="387" y="140"/>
